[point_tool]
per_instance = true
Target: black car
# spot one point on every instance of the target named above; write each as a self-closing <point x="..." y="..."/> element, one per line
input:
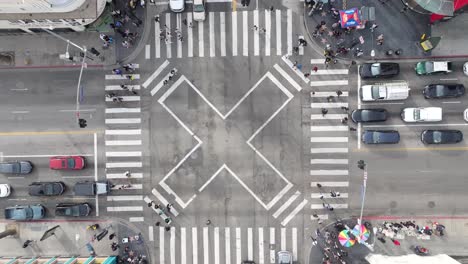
<point x="73" y="209"/>
<point x="46" y="188"/>
<point x="369" y="115"/>
<point x="379" y="70"/>
<point x="441" y="136"/>
<point x="380" y="137"/>
<point x="443" y="91"/>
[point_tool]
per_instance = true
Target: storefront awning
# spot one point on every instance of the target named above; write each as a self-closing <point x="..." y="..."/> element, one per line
<point x="441" y="7"/>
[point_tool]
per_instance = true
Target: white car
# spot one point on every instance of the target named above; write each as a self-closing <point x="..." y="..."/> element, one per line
<point x="177" y="5"/>
<point x="465" y="114"/>
<point x="422" y="114"/>
<point x="5" y="190"/>
<point x="199" y="10"/>
<point x="465" y="68"/>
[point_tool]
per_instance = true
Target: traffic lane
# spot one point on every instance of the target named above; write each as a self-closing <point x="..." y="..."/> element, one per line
<point x="402" y="182"/>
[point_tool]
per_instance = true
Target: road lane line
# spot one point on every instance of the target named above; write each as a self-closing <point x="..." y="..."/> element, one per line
<point x="245" y="31"/>
<point x="45" y="156"/>
<point x="164" y="201"/>
<point x="272" y="242"/>
<point x="194" y="246"/>
<point x="414" y="149"/>
<point x="256" y="33"/>
<point x="330" y="184"/>
<point x="150" y="233"/>
<point x="328" y="105"/>
<point x="125" y="98"/>
<point x="155" y="74"/>
<point x="147" y="52"/>
<point x="49" y="133"/>
<point x="123" y="132"/>
<point x="416" y="125"/>
<point x="179" y="43"/>
<point x="249" y="243"/>
<point x="286" y="204"/>
<point x="96" y="171"/>
<point x="172" y="245"/>
<point x="234" y="33"/>
<point x="319" y="61"/>
<point x="19" y="112"/>
<point x="123" y="120"/>
<point x="288" y="77"/>
<point x="268" y="32"/>
<point x="327" y="94"/>
<point x="212" y="35"/>
<point x="294" y="212"/>
<point x="123" y="110"/>
<point x="121" y="77"/>
<point x="329" y="83"/>
<point x="125" y="209"/>
<point x="136" y="219"/>
<point x="328" y="139"/>
<point x="183" y="245"/>
<point x="335" y="206"/>
<point x="327" y="195"/>
<point x="157" y="40"/>
<point x="292" y="67"/>
<point x="330" y="71"/>
<point x="168" y="43"/>
<point x="132" y="187"/>
<point x="328" y="150"/>
<point x="222" y="29"/>
<point x="328" y="116"/>
<point x="279" y="52"/>
<point x="206" y="246"/>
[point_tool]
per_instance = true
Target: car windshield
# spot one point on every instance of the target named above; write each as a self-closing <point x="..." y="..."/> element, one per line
<point x="49" y="188"/>
<point x="440" y="90"/>
<point x="416" y="114"/>
<point x="437" y="136"/>
<point x="375" y="92"/>
<point x="375" y="69"/>
<point x="198" y="8"/>
<point x="429" y="66"/>
<point x="71" y="163"/>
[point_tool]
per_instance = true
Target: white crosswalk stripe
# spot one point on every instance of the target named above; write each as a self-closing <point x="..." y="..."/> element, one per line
<point x="272" y="30"/>
<point x="226" y="245"/>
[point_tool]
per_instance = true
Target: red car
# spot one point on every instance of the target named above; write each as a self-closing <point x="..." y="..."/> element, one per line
<point x="67" y="163"/>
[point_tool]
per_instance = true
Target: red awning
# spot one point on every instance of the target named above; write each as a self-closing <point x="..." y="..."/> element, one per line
<point x="457" y="4"/>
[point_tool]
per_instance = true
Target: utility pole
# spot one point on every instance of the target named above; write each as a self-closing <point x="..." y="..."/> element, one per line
<point x="81" y="122"/>
<point x="363" y="166"/>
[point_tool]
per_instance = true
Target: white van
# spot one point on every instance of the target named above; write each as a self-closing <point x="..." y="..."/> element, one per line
<point x="199" y="10"/>
<point x="385" y="91"/>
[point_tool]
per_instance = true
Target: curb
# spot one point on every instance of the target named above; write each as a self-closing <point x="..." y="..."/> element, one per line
<point x="390" y="217"/>
<point x="52" y="67"/>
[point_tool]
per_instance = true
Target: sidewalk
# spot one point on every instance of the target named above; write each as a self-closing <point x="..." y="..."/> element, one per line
<point x="70" y="239"/>
<point x="401" y="30"/>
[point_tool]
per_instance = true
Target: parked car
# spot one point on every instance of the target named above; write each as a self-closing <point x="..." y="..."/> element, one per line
<point x="285" y="257"/>
<point x="443" y="136"/>
<point x="88" y="188"/>
<point x="379" y="70"/>
<point x="73" y="209"/>
<point x="199" y="10"/>
<point x="465" y="68"/>
<point x="46" y="188"/>
<point x="369" y="115"/>
<point x="385" y="91"/>
<point x="16" y="167"/>
<point x="422" y="114"/>
<point x="433" y="67"/>
<point x="465" y="115"/>
<point x="67" y="163"/>
<point x="380" y="137"/>
<point x="177" y="5"/>
<point x="25" y="212"/>
<point x="435" y="91"/>
<point x="5" y="190"/>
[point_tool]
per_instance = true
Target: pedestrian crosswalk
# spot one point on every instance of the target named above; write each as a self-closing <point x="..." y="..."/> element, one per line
<point x="123" y="141"/>
<point x="329" y="140"/>
<point x="239" y="33"/>
<point x="192" y="245"/>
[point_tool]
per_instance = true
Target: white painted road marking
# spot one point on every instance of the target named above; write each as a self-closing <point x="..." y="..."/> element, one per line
<point x="125" y="209"/>
<point x="122" y="110"/>
<point x="124" y="198"/>
<point x="335" y="206"/>
<point x="329" y="83"/>
<point x="123" y="131"/>
<point x="122" y="142"/>
<point x="328" y="172"/>
<point x="123" y="120"/>
<point x="328" y="161"/>
<point x="155" y="74"/>
<point x="133" y="175"/>
<point x="294" y="213"/>
<point x="328" y="128"/>
<point x="328" y="150"/>
<point x="111" y="165"/>
<point x="329" y="139"/>
<point x="286" y="204"/>
<point x="330" y="184"/>
<point x="123" y="153"/>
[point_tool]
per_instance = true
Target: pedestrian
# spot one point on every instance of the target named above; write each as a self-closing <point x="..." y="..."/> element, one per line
<point x="325" y="205"/>
<point x="117" y="71"/>
<point x="208" y="222"/>
<point x="352" y="129"/>
<point x="111" y="236"/>
<point x="296" y="50"/>
<point x="330" y="98"/>
<point x="190" y="25"/>
<point x="332" y="193"/>
<point x="337" y="194"/>
<point x="130" y="77"/>
<point x="317" y="232"/>
<point x="262" y="30"/>
<point x="294" y="65"/>
<point x="374" y="26"/>
<point x="169" y="206"/>
<point x="157" y="206"/>
<point x="167" y="228"/>
<point x="404" y="9"/>
<point x="118" y="24"/>
<point x="167" y="220"/>
<point x="157" y="223"/>
<point x="124" y="87"/>
<point x="330" y="208"/>
<point x="27" y="243"/>
<point x="344" y="108"/>
<point x="344" y="120"/>
<point x="335" y="61"/>
<point x="126" y="44"/>
<point x="315" y="69"/>
<point x="315" y="215"/>
<point x="184" y="21"/>
<point x="318" y="184"/>
<point x="306" y="74"/>
<point x="105" y="38"/>
<point x="339" y="93"/>
<point x="255" y="28"/>
<point x="127" y="174"/>
<point x="133" y="91"/>
<point x="112" y="25"/>
<point x="272" y="8"/>
<point x="299" y="66"/>
<point x="156" y="19"/>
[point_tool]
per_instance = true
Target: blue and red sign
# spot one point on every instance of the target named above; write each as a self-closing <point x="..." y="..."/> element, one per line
<point x="350" y="18"/>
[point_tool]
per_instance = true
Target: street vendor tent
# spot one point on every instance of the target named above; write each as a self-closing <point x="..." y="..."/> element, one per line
<point x="410" y="259"/>
<point x="350" y="18"/>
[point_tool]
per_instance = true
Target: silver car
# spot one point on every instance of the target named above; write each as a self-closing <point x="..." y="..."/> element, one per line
<point x="16" y="167"/>
<point x="285" y="257"/>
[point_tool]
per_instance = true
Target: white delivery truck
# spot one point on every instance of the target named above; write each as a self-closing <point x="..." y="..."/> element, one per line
<point x="385" y="91"/>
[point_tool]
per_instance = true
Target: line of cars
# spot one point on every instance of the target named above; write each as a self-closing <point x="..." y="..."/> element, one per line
<point x="400" y="91"/>
<point x="54" y="188"/>
<point x="178" y="6"/>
